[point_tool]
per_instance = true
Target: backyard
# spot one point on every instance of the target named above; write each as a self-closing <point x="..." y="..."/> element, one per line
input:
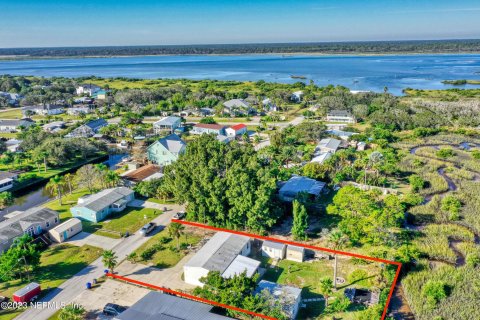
<point x="57" y="264"/>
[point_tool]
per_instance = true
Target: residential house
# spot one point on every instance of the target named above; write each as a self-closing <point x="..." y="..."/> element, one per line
<point x="274" y="250"/>
<point x="169" y="124"/>
<point x="224" y="139"/>
<point x="34" y="221"/>
<point x="295" y="253"/>
<point x="321" y="157"/>
<point x="166" y="150"/>
<point x="162" y="306"/>
<point x="288" y="297"/>
<point x="204" y="112"/>
<point x="7" y="179"/>
<point x="97" y="207"/>
<point x="297" y="96"/>
<point x="327" y="145"/>
<point x="83" y="100"/>
<point x="78" y="109"/>
<point x="361" y="146"/>
<point x="13" y="145"/>
<point x="269" y="105"/>
<point x="201" y="128"/>
<point x="340" y="116"/>
<point x="237" y="107"/>
<point x="66" y="230"/>
<point x="290" y="189"/>
<point x="12" y="98"/>
<point x="141" y="174"/>
<point x="88" y="130"/>
<point x="43" y="110"/>
<point x="100" y="95"/>
<point x="15" y="125"/>
<point x="87" y="89"/>
<point x="54" y="126"/>
<point x="224" y="252"/>
<point x="236" y="130"/>
<point x="344" y="135"/>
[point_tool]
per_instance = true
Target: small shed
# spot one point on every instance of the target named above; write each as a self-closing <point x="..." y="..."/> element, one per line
<point x="295" y="253"/>
<point x="273" y="250"/>
<point x="66" y="230"/>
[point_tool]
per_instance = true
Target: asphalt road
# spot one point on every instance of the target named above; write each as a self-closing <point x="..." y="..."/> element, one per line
<point x="73" y="287"/>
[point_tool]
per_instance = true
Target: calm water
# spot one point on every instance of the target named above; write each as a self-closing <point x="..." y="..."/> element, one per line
<point x="356" y="72"/>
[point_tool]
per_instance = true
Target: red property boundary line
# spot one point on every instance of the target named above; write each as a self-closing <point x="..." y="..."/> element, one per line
<point x="355" y="255"/>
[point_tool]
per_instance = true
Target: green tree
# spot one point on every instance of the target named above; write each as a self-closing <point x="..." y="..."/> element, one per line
<point x="55" y="187"/>
<point x="208" y="120"/>
<point x="109" y="260"/>
<point x="176" y="230"/>
<point x="6" y="199"/>
<point x="416" y="182"/>
<point x="21" y="258"/>
<point x="326" y="288"/>
<point x="72" y="312"/>
<point x="300" y="221"/>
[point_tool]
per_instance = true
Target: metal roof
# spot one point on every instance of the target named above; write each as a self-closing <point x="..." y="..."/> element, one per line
<point x="286" y="295"/>
<point x="29" y="287"/>
<point x="322" y="157"/>
<point x="167" y="121"/>
<point x="160" y="306"/>
<point x="99" y="201"/>
<point x="241" y="264"/>
<point x="67" y="225"/>
<point x="298" y="184"/>
<point x="329" y="143"/>
<point x="219" y="252"/>
<point x="273" y="245"/>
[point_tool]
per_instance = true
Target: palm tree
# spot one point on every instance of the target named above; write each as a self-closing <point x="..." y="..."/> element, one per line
<point x="175" y="230"/>
<point x="375" y="160"/>
<point x="55" y="187"/>
<point x="326" y="286"/>
<point x="72" y="312"/>
<point x="337" y="240"/>
<point x="109" y="260"/>
<point x="112" y="178"/>
<point x="69" y="179"/>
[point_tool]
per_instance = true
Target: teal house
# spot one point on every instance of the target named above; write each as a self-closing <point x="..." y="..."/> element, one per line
<point x="166" y="150"/>
<point x="97" y="207"/>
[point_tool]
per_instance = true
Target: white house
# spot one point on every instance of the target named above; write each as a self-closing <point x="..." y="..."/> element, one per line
<point x="11" y="125"/>
<point x="6" y="180"/>
<point x="43" y="110"/>
<point x="66" y="230"/>
<point x="167" y="124"/>
<point x="295" y="253"/>
<point x="297" y="96"/>
<point x="88" y="89"/>
<point x="236" y="130"/>
<point x="340" y="116"/>
<point x="274" y="250"/>
<point x="201" y="128"/>
<point x="78" y="109"/>
<point x="13" y="145"/>
<point x="224" y="252"/>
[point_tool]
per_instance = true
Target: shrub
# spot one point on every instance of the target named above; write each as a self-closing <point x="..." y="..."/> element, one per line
<point x="445" y="153"/>
<point x="357" y="275"/>
<point x="164" y="240"/>
<point x="434" y="291"/>
<point x="416" y="182"/>
<point x="476" y="154"/>
<point x="340" y="304"/>
<point x="451" y="204"/>
<point x="148" y="253"/>
<point x="473" y="260"/>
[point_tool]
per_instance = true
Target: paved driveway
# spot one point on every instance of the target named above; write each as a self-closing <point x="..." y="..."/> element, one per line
<point x="93" y="240"/>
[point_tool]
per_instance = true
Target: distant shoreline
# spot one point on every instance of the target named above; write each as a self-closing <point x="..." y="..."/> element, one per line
<point x="289" y="54"/>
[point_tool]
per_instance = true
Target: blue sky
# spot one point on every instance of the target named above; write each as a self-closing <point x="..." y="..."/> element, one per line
<point x="43" y="23"/>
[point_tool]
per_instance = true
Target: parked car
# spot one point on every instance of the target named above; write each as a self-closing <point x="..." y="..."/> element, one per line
<point x="112" y="309"/>
<point x="179" y="215"/>
<point x="146" y="229"/>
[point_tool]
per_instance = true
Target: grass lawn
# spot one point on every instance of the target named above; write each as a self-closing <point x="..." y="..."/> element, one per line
<point x="57" y="264"/>
<point x="68" y="201"/>
<point x="8" y="135"/>
<point x="163" y="249"/>
<point x="131" y="219"/>
<point x="11" y="114"/>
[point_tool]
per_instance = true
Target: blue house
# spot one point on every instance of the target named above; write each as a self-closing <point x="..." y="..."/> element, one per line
<point x="166" y="150"/>
<point x="97" y="207"/>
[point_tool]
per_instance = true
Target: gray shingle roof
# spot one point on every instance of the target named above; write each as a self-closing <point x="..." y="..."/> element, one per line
<point x="173" y="143"/>
<point x="17" y="224"/>
<point x="17" y="123"/>
<point x="219" y="252"/>
<point x="160" y="306"/>
<point x="99" y="201"/>
<point x="339" y="113"/>
<point x="239" y="103"/>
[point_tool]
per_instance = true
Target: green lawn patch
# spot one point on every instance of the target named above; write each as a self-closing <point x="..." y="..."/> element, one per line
<point x="11" y="114"/>
<point x="129" y="220"/>
<point x="57" y="264"/>
<point x="68" y="201"/>
<point x="163" y="252"/>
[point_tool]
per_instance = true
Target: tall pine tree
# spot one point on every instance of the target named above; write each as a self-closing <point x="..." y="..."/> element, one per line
<point x="300" y="221"/>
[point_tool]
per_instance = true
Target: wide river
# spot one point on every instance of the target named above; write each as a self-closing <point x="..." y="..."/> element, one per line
<point x="396" y="72"/>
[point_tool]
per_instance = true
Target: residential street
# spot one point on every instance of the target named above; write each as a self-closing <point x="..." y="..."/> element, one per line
<point x="73" y="287"/>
